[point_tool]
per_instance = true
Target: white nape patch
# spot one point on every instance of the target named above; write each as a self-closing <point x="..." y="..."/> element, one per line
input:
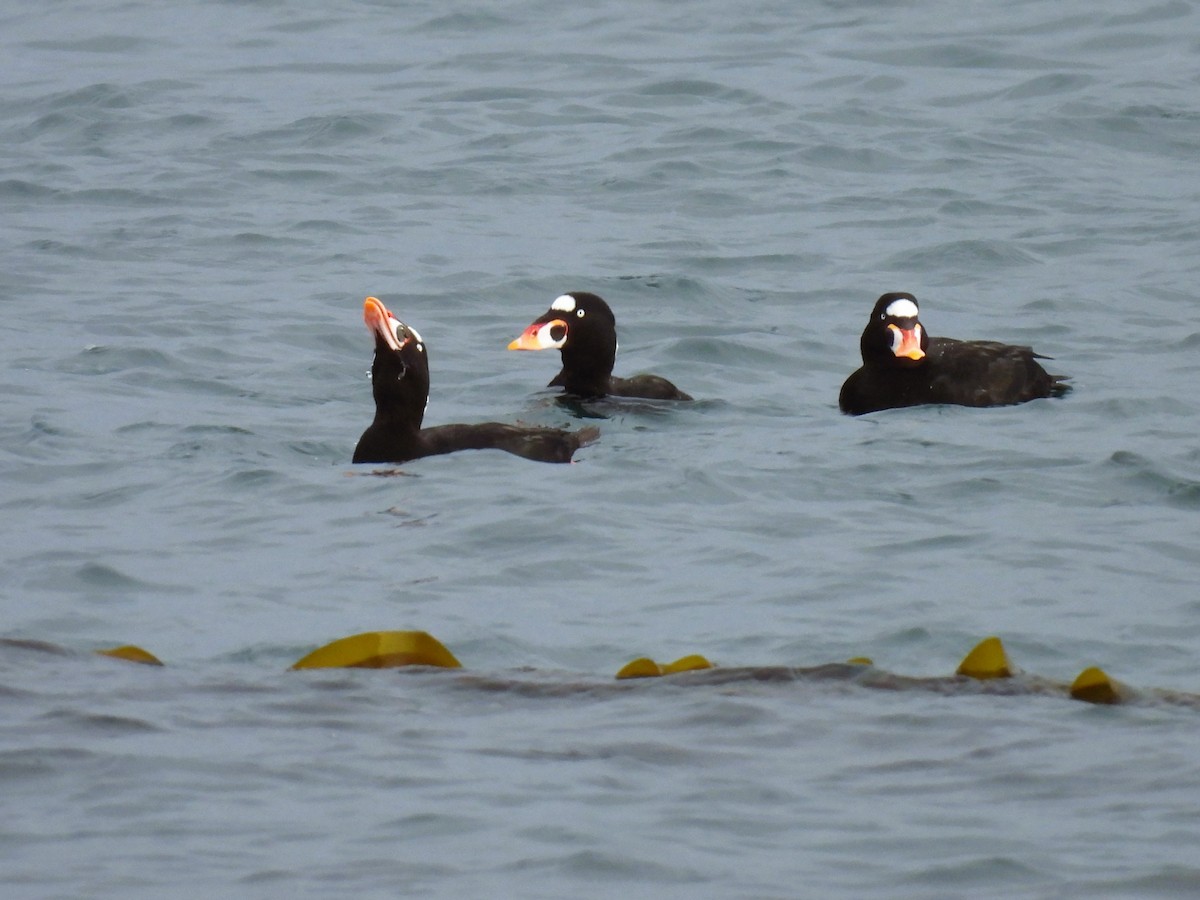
<point x="565" y="303"/>
<point x="902" y="309"/>
<point x="417" y="336"/>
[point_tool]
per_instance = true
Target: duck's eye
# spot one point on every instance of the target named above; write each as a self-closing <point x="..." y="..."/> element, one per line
<point x="579" y="313"/>
<point x="558" y="332"/>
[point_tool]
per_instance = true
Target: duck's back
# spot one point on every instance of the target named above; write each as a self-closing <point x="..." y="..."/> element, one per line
<point x="987" y="373"/>
<point x="645" y="387"/>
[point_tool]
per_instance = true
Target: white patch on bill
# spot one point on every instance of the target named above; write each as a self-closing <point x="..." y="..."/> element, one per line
<point x="898" y="339"/>
<point x="902" y="309"/>
<point x="545" y="335"/>
<point x="565" y="303"/>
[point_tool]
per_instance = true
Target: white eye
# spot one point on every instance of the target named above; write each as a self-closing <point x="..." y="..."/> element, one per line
<point x="565" y="303"/>
<point x="579" y="313"/>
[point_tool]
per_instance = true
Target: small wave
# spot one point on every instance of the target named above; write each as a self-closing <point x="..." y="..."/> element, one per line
<point x="1049" y="85"/>
<point x="968" y="254"/>
<point x="109" y="578"/>
<point x="98" y="723"/>
<point x="101" y="43"/>
<point x="1155" y="481"/>
<point x="107" y="360"/>
<point x="18" y="189"/>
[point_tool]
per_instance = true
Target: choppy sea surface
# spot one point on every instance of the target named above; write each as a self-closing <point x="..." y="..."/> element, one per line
<point x="196" y="198"/>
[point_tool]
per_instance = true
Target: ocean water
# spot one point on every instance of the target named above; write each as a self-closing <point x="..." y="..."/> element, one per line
<point x="196" y="200"/>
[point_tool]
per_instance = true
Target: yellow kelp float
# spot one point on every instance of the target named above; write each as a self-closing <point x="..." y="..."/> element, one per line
<point x="130" y="653"/>
<point x="987" y="660"/>
<point x="644" y="667"/>
<point x="1094" y="686"/>
<point x="381" y="650"/>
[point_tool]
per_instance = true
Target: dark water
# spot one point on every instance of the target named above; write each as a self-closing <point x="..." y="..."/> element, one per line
<point x="196" y="200"/>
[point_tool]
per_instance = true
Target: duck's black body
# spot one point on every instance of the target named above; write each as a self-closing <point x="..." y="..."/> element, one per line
<point x="903" y="366"/>
<point x="584" y="329"/>
<point x="400" y="383"/>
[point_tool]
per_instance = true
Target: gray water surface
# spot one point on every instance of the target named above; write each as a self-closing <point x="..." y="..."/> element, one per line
<point x="197" y="198"/>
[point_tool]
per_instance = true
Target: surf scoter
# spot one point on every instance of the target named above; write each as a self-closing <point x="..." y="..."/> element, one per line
<point x="582" y="326"/>
<point x="904" y="366"/>
<point x="400" y="383"/>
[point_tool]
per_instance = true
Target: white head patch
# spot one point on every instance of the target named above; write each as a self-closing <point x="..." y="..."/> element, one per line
<point x="399" y="327"/>
<point x="565" y="303"/>
<point x="902" y="309"/>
